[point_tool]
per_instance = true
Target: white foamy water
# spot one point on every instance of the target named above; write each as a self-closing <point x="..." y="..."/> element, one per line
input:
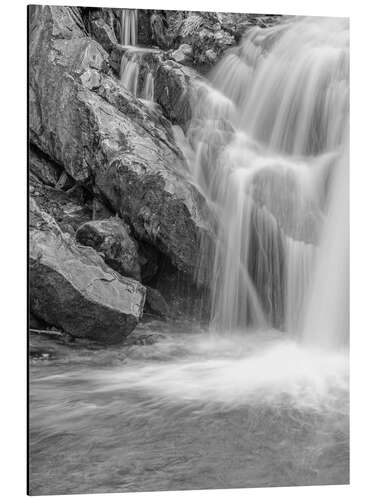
<point x="235" y="373"/>
<point x="270" y="140"/>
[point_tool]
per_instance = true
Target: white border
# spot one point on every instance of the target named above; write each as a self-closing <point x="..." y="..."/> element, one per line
<point x="13" y="256"/>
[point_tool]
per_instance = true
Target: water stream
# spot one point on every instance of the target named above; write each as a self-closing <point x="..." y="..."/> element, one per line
<point x="131" y="60"/>
<point x="261" y="399"/>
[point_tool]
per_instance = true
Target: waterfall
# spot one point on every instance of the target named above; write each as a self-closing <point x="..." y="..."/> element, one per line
<point x="149" y="87"/>
<point x="268" y="135"/>
<point x="326" y="322"/>
<point x="131" y="62"/>
<point x="129" y="27"/>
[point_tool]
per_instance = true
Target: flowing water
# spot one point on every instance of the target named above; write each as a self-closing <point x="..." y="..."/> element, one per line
<point x="190" y="411"/>
<point x="131" y="61"/>
<point x="262" y="397"/>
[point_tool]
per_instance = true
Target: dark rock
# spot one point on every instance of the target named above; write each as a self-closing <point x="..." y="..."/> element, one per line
<point x="83" y="119"/>
<point x="144" y="27"/>
<point x="46" y="170"/>
<point x="72" y="288"/>
<point x="155" y="303"/>
<point x="103" y="33"/>
<point x="149" y="258"/>
<point x="69" y="210"/>
<point x="184" y="298"/>
<point x="111" y="238"/>
<point x="158" y="30"/>
<point x="36" y="323"/>
<point x="174" y="85"/>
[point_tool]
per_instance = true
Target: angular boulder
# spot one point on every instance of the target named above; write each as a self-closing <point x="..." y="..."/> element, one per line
<point x="111" y="238"/>
<point x="73" y="289"/>
<point x="82" y="117"/>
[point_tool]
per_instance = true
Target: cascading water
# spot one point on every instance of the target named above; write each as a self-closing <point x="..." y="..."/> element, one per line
<point x="269" y="138"/>
<point x="268" y="147"/>
<point x="129" y="27"/>
<point x="130" y="63"/>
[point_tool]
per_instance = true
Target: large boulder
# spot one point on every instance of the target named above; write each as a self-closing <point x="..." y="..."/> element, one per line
<point x="111" y="238"/>
<point x="83" y="119"/>
<point x="73" y="289"/>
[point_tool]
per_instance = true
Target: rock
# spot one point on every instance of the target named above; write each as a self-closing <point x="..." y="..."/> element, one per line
<point x="111" y="238"/>
<point x="70" y="210"/>
<point x="103" y="33"/>
<point x="183" y="54"/>
<point x="36" y="323"/>
<point x="46" y="170"/>
<point x="211" y="56"/>
<point x="158" y="30"/>
<point x="174" y="87"/>
<point x="72" y="288"/>
<point x="149" y="258"/>
<point x="155" y="303"/>
<point x="83" y="119"/>
<point x="174" y="83"/>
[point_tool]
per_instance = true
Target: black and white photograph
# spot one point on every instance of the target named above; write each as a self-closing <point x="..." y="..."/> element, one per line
<point x="188" y="249"/>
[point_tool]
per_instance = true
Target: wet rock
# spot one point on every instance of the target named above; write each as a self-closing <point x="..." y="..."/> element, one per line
<point x="174" y="85"/>
<point x="45" y="170"/>
<point x="86" y="121"/>
<point x="155" y="303"/>
<point x="158" y="30"/>
<point x="111" y="238"/>
<point x="36" y="323"/>
<point x="103" y="33"/>
<point x="71" y="286"/>
<point x="183" y="54"/>
<point x="149" y="258"/>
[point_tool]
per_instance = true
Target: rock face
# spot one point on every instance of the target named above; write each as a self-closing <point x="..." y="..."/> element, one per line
<point x="46" y="171"/>
<point x="69" y="208"/>
<point x="72" y="288"/>
<point x="84" y="120"/>
<point x="111" y="238"/>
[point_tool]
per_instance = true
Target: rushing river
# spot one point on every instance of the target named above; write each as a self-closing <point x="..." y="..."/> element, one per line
<point x="190" y="411"/>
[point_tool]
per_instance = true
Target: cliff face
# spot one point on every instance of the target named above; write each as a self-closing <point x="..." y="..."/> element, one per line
<point x="96" y="146"/>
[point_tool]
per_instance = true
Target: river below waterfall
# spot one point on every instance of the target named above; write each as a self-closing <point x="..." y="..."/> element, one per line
<point x="190" y="411"/>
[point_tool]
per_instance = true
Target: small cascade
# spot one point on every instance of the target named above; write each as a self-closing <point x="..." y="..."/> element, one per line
<point x="129" y="27"/>
<point x="267" y="136"/>
<point x="149" y="87"/>
<point x="326" y="322"/>
<point x="299" y="257"/>
<point x="132" y="74"/>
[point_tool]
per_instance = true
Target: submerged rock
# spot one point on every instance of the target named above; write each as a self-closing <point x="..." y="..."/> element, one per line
<point x="111" y="238"/>
<point x="72" y="288"/>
